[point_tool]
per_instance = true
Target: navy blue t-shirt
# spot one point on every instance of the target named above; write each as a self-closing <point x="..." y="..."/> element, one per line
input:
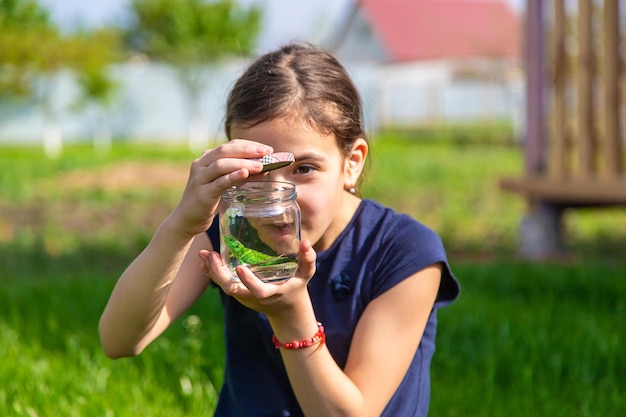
<point x="378" y="249"/>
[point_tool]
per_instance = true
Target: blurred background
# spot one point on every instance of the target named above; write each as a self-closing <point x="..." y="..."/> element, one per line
<point x="115" y="70"/>
<point x="103" y="105"/>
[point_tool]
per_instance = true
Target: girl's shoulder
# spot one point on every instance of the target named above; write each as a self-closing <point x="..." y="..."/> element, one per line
<point x="394" y="226"/>
<point x="403" y="246"/>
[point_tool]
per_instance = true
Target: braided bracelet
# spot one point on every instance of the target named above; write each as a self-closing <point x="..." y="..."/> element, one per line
<point x="319" y="337"/>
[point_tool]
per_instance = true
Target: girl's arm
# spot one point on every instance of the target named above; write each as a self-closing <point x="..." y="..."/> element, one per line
<point x="160" y="284"/>
<point x="166" y="278"/>
<point x="384" y="343"/>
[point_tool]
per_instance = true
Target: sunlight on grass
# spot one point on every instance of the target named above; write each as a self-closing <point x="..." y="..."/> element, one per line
<point x="540" y="340"/>
<point x="53" y="364"/>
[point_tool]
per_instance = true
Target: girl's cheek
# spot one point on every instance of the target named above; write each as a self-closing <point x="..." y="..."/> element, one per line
<point x="306" y="211"/>
<point x="310" y="201"/>
<point x="304" y="208"/>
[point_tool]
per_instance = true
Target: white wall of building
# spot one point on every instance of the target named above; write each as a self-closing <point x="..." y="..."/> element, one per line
<point x="150" y="105"/>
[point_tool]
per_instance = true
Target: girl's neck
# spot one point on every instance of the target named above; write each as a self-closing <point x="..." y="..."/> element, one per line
<point x="349" y="207"/>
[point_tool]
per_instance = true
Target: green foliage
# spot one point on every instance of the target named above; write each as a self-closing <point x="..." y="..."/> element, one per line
<point x="23" y="24"/>
<point x="92" y="54"/>
<point x="187" y="33"/>
<point x="191" y="35"/>
<point x="22" y="14"/>
<point x="33" y="49"/>
<point x="495" y="132"/>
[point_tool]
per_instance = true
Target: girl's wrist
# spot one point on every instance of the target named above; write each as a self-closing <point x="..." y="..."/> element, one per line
<point x="176" y="225"/>
<point x="295" y="324"/>
<point x="318" y="338"/>
<point x="305" y="335"/>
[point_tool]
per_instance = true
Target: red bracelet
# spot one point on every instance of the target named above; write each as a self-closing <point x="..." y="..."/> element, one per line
<point x="319" y="337"/>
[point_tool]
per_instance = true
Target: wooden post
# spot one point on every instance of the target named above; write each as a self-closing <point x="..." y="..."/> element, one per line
<point x="540" y="230"/>
<point x="557" y="165"/>
<point x="534" y="141"/>
<point x="585" y="130"/>
<point x="613" y="150"/>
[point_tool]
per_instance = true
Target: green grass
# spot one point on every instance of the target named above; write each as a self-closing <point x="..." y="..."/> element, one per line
<point x="53" y="365"/>
<point x="533" y="340"/>
<point x="523" y="339"/>
<point x="451" y="188"/>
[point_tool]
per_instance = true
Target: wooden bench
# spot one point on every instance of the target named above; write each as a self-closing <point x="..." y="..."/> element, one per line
<point x="574" y="143"/>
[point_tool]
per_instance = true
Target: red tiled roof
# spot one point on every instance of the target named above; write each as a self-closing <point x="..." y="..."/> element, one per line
<point x="429" y="29"/>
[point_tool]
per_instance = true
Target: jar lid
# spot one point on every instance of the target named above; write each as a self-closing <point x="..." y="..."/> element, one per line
<point x="276" y="160"/>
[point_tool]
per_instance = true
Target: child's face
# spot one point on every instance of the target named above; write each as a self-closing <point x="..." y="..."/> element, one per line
<point x="319" y="173"/>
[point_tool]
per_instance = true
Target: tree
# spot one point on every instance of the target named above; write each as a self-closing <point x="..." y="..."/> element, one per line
<point x="190" y="36"/>
<point x="33" y="52"/>
<point x="91" y="55"/>
<point x="27" y="40"/>
<point x="22" y="24"/>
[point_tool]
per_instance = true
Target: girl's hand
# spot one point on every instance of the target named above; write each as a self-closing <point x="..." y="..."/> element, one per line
<point x="210" y="175"/>
<point x="272" y="299"/>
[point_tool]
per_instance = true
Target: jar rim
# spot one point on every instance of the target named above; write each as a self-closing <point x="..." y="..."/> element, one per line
<point x="261" y="192"/>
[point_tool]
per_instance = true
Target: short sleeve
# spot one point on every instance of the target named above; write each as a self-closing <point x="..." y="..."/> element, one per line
<point x="407" y="248"/>
<point x="214" y="234"/>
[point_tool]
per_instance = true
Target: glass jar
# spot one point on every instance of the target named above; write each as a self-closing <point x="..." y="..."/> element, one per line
<point x="260" y="228"/>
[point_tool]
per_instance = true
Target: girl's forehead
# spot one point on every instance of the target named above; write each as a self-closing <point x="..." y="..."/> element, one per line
<point x="282" y="130"/>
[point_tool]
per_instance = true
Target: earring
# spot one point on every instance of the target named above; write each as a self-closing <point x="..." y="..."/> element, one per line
<point x="352" y="190"/>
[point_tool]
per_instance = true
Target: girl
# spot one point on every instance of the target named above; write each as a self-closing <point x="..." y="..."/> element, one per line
<point x="373" y="278"/>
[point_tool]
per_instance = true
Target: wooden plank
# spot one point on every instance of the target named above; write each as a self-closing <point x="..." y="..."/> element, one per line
<point x="557" y="160"/>
<point x="585" y="138"/>
<point x="573" y="193"/>
<point x="612" y="149"/>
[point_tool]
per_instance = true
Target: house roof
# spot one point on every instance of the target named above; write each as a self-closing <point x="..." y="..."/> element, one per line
<point x="435" y="29"/>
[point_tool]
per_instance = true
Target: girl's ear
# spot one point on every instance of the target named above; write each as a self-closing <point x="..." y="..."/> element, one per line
<point x="355" y="162"/>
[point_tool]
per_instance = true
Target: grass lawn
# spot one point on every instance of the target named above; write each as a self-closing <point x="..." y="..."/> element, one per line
<point x="523" y="339"/>
<point x="533" y="340"/>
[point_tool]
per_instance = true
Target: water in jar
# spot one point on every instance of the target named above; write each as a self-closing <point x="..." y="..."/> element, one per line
<point x="260" y="228"/>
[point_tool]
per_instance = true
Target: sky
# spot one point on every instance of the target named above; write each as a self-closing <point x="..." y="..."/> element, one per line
<point x="285" y="20"/>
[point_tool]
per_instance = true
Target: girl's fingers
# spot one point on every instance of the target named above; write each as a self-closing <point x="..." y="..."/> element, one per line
<point x="231" y="169"/>
<point x="218" y="272"/>
<point x="228" y="164"/>
<point x="251" y="291"/>
<point x="222" y="180"/>
<point x="250" y="287"/>
<point x="235" y="148"/>
<point x="262" y="290"/>
<point x="216" y="171"/>
<point x="306" y="260"/>
<point x="257" y="288"/>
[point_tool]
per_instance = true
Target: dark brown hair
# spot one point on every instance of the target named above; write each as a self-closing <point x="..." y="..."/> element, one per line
<point x="298" y="81"/>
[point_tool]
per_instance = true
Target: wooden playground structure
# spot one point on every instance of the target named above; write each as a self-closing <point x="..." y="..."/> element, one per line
<point x="574" y="143"/>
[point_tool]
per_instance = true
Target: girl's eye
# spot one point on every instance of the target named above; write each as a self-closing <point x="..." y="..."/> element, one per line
<point x="304" y="169"/>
